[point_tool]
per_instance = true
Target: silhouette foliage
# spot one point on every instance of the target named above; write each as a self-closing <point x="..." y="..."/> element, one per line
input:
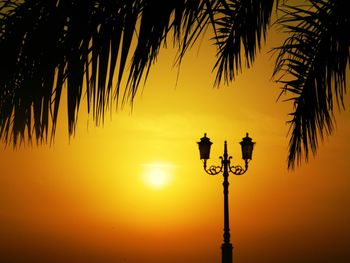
<point x="82" y="48"/>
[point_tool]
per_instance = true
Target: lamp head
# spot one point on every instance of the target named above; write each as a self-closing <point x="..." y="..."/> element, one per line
<point x="247" y="148"/>
<point x="204" y="147"/>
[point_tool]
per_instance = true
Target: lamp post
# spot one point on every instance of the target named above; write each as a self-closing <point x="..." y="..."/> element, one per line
<point x="247" y="150"/>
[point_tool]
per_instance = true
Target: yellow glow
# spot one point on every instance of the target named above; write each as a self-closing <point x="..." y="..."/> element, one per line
<point x="157" y="175"/>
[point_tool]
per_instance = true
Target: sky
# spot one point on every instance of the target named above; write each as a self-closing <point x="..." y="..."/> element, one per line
<point x="134" y="189"/>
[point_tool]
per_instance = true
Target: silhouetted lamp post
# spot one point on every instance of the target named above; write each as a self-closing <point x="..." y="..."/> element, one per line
<point x="247" y="150"/>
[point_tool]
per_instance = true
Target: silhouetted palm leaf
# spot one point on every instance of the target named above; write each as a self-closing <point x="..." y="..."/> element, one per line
<point x="240" y="26"/>
<point x="314" y="59"/>
<point x="48" y="44"/>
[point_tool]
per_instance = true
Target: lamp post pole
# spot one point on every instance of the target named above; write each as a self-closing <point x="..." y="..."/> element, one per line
<point x="226" y="247"/>
<point x="247" y="149"/>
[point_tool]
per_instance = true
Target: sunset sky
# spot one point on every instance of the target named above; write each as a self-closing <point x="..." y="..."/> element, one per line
<point x="134" y="191"/>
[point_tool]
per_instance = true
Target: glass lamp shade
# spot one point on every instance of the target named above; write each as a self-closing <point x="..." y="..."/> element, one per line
<point x="247" y="148"/>
<point x="204" y="147"/>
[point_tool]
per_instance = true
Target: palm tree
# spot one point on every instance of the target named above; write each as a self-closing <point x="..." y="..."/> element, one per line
<point x="84" y="46"/>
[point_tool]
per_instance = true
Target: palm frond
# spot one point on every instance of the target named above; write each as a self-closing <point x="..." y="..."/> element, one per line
<point x="81" y="47"/>
<point x="240" y="27"/>
<point x="312" y="63"/>
<point x="191" y="23"/>
<point x="49" y="45"/>
<point x="154" y="26"/>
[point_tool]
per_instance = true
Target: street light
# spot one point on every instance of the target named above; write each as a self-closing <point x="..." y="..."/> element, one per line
<point x="247" y="146"/>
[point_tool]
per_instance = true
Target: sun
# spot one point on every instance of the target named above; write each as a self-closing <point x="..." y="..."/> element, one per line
<point x="157" y="175"/>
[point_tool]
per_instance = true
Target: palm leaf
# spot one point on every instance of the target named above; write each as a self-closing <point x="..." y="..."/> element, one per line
<point x="81" y="43"/>
<point x="313" y="62"/>
<point x="240" y="28"/>
<point x="81" y="47"/>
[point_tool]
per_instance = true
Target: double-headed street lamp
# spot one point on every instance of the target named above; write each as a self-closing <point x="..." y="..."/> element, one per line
<point x="247" y="150"/>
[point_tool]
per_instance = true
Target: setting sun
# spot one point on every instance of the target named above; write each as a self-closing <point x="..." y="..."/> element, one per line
<point x="157" y="175"/>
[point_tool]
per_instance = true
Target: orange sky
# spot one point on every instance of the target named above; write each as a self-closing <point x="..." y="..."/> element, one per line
<point x="90" y="199"/>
